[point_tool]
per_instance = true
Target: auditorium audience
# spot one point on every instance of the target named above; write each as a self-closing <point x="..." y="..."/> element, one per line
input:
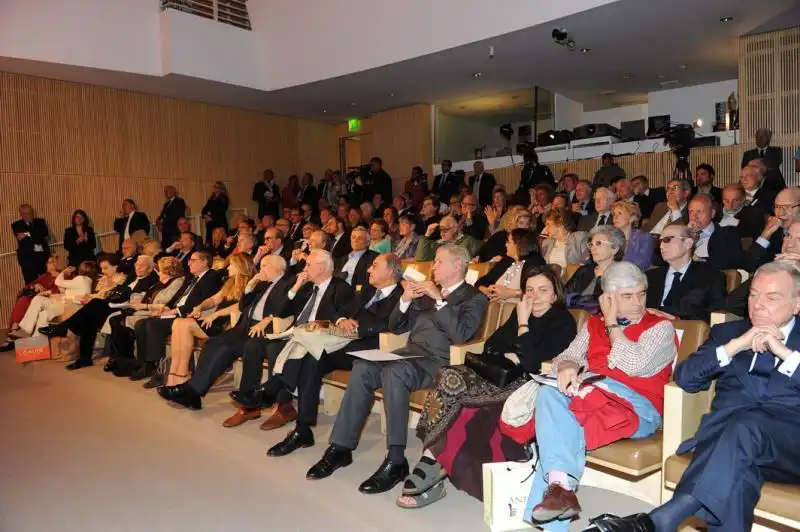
<point x="675" y="207"/>
<point x="450" y="232"/>
<point x="504" y="281"/>
<point x="406" y="246"/>
<point x="185" y="249"/>
<point x="447" y="183"/>
<point x="541" y="201"/>
<point x="472" y="221"/>
<point x="33" y="243"/>
<point x="582" y="203"/>
<point x="217" y="245"/>
<point x="392" y="219"/>
<point x="534" y="174"/>
<point x="641" y="189"/>
<point x="340" y="239"/>
<point x="749" y="220"/>
<point x="606" y="246"/>
<point x="417" y="186"/>
<point x="756" y="195"/>
<point x="353" y="266"/>
<point x="704" y="176"/>
<point x="429" y="215"/>
<point x="720" y="247"/>
<point x="167" y="222"/>
<point x="768" y="158"/>
<point x="129" y="221"/>
<point x="379" y="237"/>
<point x="638" y="244"/>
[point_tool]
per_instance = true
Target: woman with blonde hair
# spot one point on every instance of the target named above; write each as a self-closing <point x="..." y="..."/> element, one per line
<point x="185" y="330"/>
<point x="152" y="248"/>
<point x="639" y="244"/>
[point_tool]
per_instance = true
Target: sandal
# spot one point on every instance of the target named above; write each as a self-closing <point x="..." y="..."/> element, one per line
<point x="435" y="493"/>
<point x="425" y="475"/>
<point x="185" y="377"/>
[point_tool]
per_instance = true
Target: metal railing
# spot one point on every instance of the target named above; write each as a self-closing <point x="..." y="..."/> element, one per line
<point x="233" y="12"/>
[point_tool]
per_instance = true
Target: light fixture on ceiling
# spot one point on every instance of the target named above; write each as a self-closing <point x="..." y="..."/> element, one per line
<point x="324" y="111"/>
<point x="585" y="50"/>
<point x="682" y="67"/>
<point x="627" y="75"/>
<point x="476" y="75"/>
<point x="725" y="20"/>
<point x="352" y="104"/>
<point x="661" y="76"/>
<point x="698" y="123"/>
<point x="391" y="95"/>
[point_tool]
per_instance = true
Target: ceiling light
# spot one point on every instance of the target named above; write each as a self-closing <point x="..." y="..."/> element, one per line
<point x="476" y="75"/>
<point x="352" y="104"/>
<point x="324" y="110"/>
<point x="697" y="123"/>
<point x="585" y="50"/>
<point x="627" y="75"/>
<point x="682" y="67"/>
<point x="661" y="76"/>
<point x="725" y="20"/>
<point x="391" y="95"/>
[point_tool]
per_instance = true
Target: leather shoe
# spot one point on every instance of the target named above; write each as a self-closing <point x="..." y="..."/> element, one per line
<point x="385" y="478"/>
<point x="78" y="364"/>
<point x="632" y="523"/>
<point x="156" y="381"/>
<point x="182" y="394"/>
<point x="557" y="503"/>
<point x="7" y="346"/>
<point x="283" y="415"/>
<point x="110" y="366"/>
<point x="241" y="415"/>
<point x="293" y="441"/>
<point x="54" y="331"/>
<point x="144" y="372"/>
<point x="124" y="368"/>
<point x="333" y="459"/>
<point x="259" y="397"/>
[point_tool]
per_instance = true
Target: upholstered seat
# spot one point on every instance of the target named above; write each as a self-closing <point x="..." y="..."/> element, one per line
<point x="341" y="377"/>
<point x="631" y="457"/>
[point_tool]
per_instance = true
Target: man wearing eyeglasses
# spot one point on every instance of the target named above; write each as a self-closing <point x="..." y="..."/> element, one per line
<point x="766" y="246"/>
<point x="684" y="288"/>
<point x="672" y="210"/>
<point x="450" y="233"/>
<point x="721" y="247"/>
<point x="472" y="222"/>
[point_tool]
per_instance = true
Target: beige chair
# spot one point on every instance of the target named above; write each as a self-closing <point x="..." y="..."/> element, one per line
<point x="570" y="271"/>
<point x="733" y="279"/>
<point x="482" y="268"/>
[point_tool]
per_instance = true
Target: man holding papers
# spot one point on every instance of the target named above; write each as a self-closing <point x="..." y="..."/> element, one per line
<point x="437" y="315"/>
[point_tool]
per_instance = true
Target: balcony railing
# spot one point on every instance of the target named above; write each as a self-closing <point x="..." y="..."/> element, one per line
<point x="233" y="12"/>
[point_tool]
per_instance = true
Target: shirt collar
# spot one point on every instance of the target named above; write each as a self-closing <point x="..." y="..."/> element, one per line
<point x="278" y="251"/>
<point x="455" y="287"/>
<point x="708" y="231"/>
<point x="323" y="286"/>
<point x="682" y="270"/>
<point x="198" y="277"/>
<point x="385" y="291"/>
<point x="787" y="329"/>
<point x="357" y="254"/>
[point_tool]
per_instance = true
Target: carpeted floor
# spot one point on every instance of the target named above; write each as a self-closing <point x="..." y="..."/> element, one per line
<point x="87" y="452"/>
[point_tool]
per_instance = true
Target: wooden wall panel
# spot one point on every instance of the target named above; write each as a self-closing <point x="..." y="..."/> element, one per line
<point x="65" y="146"/>
<point x="403" y="138"/>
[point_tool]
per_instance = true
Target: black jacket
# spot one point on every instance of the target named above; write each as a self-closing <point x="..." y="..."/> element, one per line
<point x="701" y="289"/>
<point x="39" y="235"/>
<point x="360" y="275"/>
<point x="725" y="249"/>
<point x="486" y="189"/>
<point x="533" y="175"/>
<point x="586" y="222"/>
<point x="170" y="212"/>
<point x="751" y="222"/>
<point x="546" y="338"/>
<point x="774" y="159"/>
<point x="139" y="222"/>
<point x="184" y="258"/>
<point x="491" y="277"/>
<point x="342" y="247"/>
<point x="122" y="293"/>
<point x="379" y="182"/>
<point x="581" y="279"/>
<point x="736" y="301"/>
<point x="715" y="193"/>
<point x="77" y="253"/>
<point x="266" y="206"/>
<point x="757" y="255"/>
<point x="764" y="200"/>
<point x="494" y="246"/>
<point x="206" y="287"/>
<point x="447" y="185"/>
<point x="646" y="205"/>
<point x="127" y="267"/>
<point x="338" y="295"/>
<point x="217" y="209"/>
<point x="375" y="319"/>
<point x="478" y="228"/>
<point x="277" y="304"/>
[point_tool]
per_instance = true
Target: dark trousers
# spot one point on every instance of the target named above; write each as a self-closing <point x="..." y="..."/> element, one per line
<point x="86" y="323"/>
<point x="119" y="344"/>
<point x="151" y="337"/>
<point x="256" y="351"/>
<point x="398" y="379"/>
<point x="729" y="468"/>
<point x="32" y="265"/>
<point x="217" y="356"/>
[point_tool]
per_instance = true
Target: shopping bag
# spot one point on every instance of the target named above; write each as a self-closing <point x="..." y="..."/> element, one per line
<point x="506" y="486"/>
<point x="30" y="349"/>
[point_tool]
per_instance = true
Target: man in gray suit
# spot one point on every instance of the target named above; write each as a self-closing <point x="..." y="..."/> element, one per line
<point x="672" y="210"/>
<point x="438" y="315"/>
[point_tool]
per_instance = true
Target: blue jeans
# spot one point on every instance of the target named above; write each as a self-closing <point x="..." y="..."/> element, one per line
<point x="561" y="442"/>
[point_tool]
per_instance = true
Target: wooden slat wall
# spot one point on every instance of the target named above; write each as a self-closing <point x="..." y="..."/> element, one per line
<point x="65" y="146"/>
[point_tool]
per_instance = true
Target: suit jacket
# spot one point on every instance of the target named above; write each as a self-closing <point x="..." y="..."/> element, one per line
<point x="185" y="259"/>
<point x="736" y="388"/>
<point x="39" y="235"/>
<point x="295" y="233"/>
<point x="309" y="195"/>
<point x="773" y="157"/>
<point x="139" y="222"/>
<point x="751" y="222"/>
<point x="725" y="249"/>
<point x="764" y="200"/>
<point x="586" y="223"/>
<point x="360" y="275"/>
<point x="497" y="271"/>
<point x="661" y="210"/>
<point x="486" y="189"/>
<point x="446" y="185"/>
<point x="170" y="212"/>
<point x="375" y="319"/>
<point x="77" y="253"/>
<point x="342" y="247"/>
<point x="206" y="287"/>
<point x="715" y="193"/>
<point x="493" y="247"/>
<point x="646" y="205"/>
<point x="757" y="255"/>
<point x="533" y="175"/>
<point x="127" y="267"/>
<point x="434" y="331"/>
<point x="277" y="304"/>
<point x="736" y="301"/>
<point x="700" y="290"/>
<point x="338" y="295"/>
<point x="123" y="292"/>
<point x="478" y="228"/>
<point x="266" y="206"/>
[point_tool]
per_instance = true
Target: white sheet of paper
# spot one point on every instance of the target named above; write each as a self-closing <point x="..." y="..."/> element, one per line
<point x="412" y="274"/>
<point x="119" y="305"/>
<point x="375" y="355"/>
<point x="472" y="277"/>
<point x="277" y="336"/>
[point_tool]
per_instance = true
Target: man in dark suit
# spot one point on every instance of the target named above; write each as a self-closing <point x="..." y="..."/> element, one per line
<point x="33" y="246"/>
<point x="129" y="221"/>
<point x="316" y="296"/>
<point x="771" y="160"/>
<point x="340" y="239"/>
<point x="673" y="210"/>
<point x="267" y="195"/>
<point x="623" y="188"/>
<point x="750" y="436"/>
<point x="704" y="176"/>
<point x="185" y="249"/>
<point x="534" y="174"/>
<point x="482" y="184"/>
<point x="603" y="201"/>
<point x="749" y="220"/>
<point x="353" y="266"/>
<point x="756" y="194"/>
<point x="609" y="172"/>
<point x="152" y="333"/>
<point x="582" y="202"/>
<point x="769" y="244"/>
<point x="720" y="247"/>
<point x="447" y="183"/>
<point x="641" y="187"/>
<point x="377" y="181"/>
<point x="274" y="244"/>
<point x="167" y="221"/>
<point x="308" y="192"/>
<point x="296" y="231"/>
<point x="264" y="298"/>
<point x="683" y="288"/>
<point x="365" y="317"/>
<point x="437" y="315"/>
<point x="429" y="215"/>
<point x="127" y="259"/>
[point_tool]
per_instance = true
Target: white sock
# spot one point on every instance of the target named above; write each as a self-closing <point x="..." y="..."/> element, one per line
<point x="560" y="478"/>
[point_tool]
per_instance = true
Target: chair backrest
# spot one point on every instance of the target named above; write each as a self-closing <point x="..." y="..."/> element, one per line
<point x="557" y="270"/>
<point x="404" y="263"/>
<point x="692" y="334"/>
<point x="580" y="316"/>
<point x="424" y="268"/>
<point x="733" y="279"/>
<point x="571" y="269"/>
<point x="489" y="324"/>
<point x="481" y="267"/>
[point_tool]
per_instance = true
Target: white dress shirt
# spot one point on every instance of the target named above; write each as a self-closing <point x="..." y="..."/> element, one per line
<point x="729" y="219"/>
<point x="787" y="367"/>
<point x="701" y="247"/>
<point x="127" y="234"/>
<point x="182" y="300"/>
<point x="320" y="292"/>
<point x="349" y="267"/>
<point x="258" y="312"/>
<point x="384" y="293"/>
<point x="670" y="276"/>
<point x="671" y="216"/>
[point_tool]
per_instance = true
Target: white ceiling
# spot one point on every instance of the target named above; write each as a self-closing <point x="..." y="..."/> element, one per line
<point x="644" y="38"/>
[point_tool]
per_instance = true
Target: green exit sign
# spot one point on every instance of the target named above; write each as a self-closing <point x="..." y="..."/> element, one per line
<point x="353" y="125"/>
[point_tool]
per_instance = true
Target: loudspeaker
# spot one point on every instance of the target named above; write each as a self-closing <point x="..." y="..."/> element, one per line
<point x="633" y="130"/>
<point x="589" y="131"/>
<point x="524" y="131"/>
<point x="658" y="125"/>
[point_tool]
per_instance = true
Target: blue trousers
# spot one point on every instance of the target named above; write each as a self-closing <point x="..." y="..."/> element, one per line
<point x="561" y="442"/>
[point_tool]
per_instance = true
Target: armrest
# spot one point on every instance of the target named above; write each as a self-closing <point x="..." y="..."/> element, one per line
<point x="723" y="317"/>
<point x="459" y="352"/>
<point x="281" y="324"/>
<point x="388" y="342"/>
<point x="682" y="414"/>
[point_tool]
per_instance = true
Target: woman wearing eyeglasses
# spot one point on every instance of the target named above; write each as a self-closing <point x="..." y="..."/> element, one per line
<point x="606" y="246"/>
<point x="638" y="244"/>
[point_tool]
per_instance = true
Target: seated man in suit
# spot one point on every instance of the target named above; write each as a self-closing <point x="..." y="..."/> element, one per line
<point x="684" y="288"/>
<point x="672" y="210"/>
<point x="438" y="315"/>
<point x="720" y="247"/>
<point x="317" y="240"/>
<point x="353" y="266"/>
<point x="582" y="203"/>
<point x="704" y="176"/>
<point x="766" y="246"/>
<point x="185" y="250"/>
<point x="127" y="261"/>
<point x="604" y="199"/>
<point x="317" y="295"/>
<point x="450" y="233"/>
<point x="750" y="436"/>
<point x="340" y="246"/>
<point x="473" y="222"/>
<point x="647" y="197"/>
<point x="756" y="194"/>
<point x="264" y="297"/>
<point x="317" y="353"/>
<point x="275" y="243"/>
<point x="749" y="220"/>
<point x="429" y="215"/>
<point x="152" y="333"/>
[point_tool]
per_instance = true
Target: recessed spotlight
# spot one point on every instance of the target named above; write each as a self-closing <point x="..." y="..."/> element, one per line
<point x="661" y="76"/>
<point x="324" y="110"/>
<point x="476" y="75"/>
<point x="391" y="95"/>
<point x="725" y="20"/>
<point x="585" y="50"/>
<point x="627" y="75"/>
<point x="682" y="67"/>
<point x="352" y="104"/>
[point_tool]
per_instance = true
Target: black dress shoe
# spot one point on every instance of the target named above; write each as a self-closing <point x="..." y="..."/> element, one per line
<point x="632" y="523"/>
<point x="293" y="441"/>
<point x="182" y="394"/>
<point x="110" y="366"/>
<point x="156" y="381"/>
<point x="54" y="331"/>
<point x="7" y="346"/>
<point x="125" y="367"/>
<point x="333" y="459"/>
<point x="78" y="364"/>
<point x="385" y="478"/>
<point x="259" y="397"/>
<point x="146" y="371"/>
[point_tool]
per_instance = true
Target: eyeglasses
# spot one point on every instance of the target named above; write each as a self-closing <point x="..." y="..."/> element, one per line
<point x="443" y="228"/>
<point x="597" y="243"/>
<point x="675" y="188"/>
<point x="468" y="204"/>
<point x="787" y="207"/>
<point x="668" y="239"/>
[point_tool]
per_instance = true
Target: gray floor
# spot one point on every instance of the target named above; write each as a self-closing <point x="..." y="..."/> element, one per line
<point x="85" y="451"/>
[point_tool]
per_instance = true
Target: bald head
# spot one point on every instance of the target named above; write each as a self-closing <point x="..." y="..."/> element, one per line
<point x="787" y="205"/>
<point x="750" y="178"/>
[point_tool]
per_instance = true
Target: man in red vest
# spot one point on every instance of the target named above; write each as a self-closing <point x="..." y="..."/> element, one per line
<point x="633" y="351"/>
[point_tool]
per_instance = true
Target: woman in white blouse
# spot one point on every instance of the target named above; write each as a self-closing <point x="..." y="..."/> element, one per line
<point x="502" y="282"/>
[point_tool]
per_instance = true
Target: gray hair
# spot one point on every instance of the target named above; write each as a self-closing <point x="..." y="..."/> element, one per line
<point x="615" y="237"/>
<point x="622" y="274"/>
<point x="777" y="267"/>
<point x="325" y="258"/>
<point x="148" y="259"/>
<point x="361" y="229"/>
<point x="393" y="262"/>
<point x="608" y="192"/>
<point x="459" y="254"/>
<point x="279" y="261"/>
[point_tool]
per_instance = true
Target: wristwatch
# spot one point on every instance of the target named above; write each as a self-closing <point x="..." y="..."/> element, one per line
<point x="611" y="326"/>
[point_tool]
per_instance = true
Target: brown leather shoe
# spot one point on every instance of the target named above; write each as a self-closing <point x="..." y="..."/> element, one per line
<point x="557" y="503"/>
<point x="283" y="414"/>
<point x="240" y="417"/>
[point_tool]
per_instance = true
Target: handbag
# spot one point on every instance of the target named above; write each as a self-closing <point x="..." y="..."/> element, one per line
<point x="493" y="367"/>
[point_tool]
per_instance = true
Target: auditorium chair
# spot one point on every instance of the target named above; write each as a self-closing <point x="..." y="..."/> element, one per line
<point x="481" y="269"/>
<point x="570" y="270"/>
<point x="733" y="279"/>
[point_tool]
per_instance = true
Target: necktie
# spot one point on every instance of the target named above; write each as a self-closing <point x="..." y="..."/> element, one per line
<point x="375" y="298"/>
<point x="761" y="152"/>
<point x="258" y="308"/>
<point x="601" y="220"/>
<point x="306" y="312"/>
<point x="676" y="280"/>
<point x="764" y="364"/>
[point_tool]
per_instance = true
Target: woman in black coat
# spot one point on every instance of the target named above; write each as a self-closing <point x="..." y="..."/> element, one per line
<point x="606" y="245"/>
<point x="79" y="239"/>
<point x="215" y="211"/>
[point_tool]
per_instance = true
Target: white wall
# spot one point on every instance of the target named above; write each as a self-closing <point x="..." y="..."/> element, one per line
<point x="456" y="137"/>
<point x="686" y="104"/>
<point x="616" y="115"/>
<point x="568" y="114"/>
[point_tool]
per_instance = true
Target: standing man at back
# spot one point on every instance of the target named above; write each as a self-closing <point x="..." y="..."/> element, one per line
<point x="33" y="248"/>
<point x="482" y="184"/>
<point x="772" y="157"/>
<point x="167" y="222"/>
<point x="267" y="194"/>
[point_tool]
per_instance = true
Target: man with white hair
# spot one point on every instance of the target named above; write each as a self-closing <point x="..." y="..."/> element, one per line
<point x="672" y="210"/>
<point x="750" y="436"/>
<point x="720" y="247"/>
<point x="769" y="244"/>
<point x="437" y="315"/>
<point x="604" y="199"/>
<point x="353" y="266"/>
<point x="450" y="231"/>
<point x="632" y="349"/>
<point x="756" y="195"/>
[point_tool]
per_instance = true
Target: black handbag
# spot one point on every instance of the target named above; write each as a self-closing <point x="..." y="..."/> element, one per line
<point x="494" y="367"/>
